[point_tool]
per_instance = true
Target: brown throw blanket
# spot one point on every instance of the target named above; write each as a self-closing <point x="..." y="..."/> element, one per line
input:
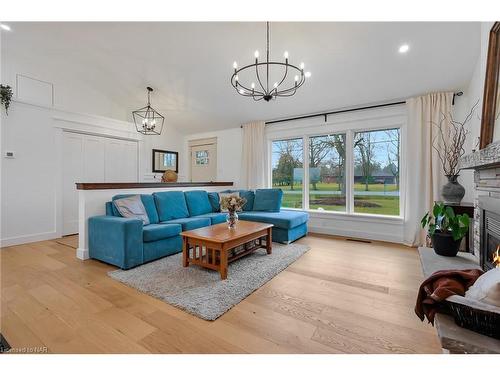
<point x="439" y="286"/>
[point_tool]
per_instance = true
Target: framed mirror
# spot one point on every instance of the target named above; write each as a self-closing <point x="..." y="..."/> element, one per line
<point x="491" y="98"/>
<point x="163" y="160"/>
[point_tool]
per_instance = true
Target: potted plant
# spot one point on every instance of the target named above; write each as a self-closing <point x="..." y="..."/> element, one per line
<point x="5" y="96"/>
<point x="445" y="229"/>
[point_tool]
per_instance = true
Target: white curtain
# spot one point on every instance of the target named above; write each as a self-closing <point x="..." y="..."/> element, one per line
<point x="254" y="168"/>
<point x="425" y="176"/>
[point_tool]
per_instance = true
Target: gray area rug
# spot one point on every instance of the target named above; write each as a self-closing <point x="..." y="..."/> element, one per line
<point x="200" y="291"/>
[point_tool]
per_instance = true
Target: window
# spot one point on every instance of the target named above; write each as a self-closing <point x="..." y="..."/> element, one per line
<point x="376" y="172"/>
<point x="355" y="171"/>
<point x="288" y="171"/>
<point x="327" y="172"/>
<point x="201" y="157"/>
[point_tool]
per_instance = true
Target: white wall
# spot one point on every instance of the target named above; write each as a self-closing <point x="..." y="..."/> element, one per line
<point x="229" y="163"/>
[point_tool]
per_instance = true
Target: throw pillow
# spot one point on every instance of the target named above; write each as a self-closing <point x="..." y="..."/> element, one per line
<point x="268" y="200"/>
<point x="486" y="289"/>
<point x="214" y="201"/>
<point x="222" y="195"/>
<point x="132" y="207"/>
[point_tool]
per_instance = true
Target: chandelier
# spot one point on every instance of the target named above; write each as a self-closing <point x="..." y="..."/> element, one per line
<point x="147" y="120"/>
<point x="260" y="88"/>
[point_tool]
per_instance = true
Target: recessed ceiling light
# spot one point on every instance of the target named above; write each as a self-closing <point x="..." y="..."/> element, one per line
<point x="5" y="27"/>
<point x="404" y="48"/>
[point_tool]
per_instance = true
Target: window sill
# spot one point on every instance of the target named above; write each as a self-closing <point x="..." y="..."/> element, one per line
<point x="357" y="217"/>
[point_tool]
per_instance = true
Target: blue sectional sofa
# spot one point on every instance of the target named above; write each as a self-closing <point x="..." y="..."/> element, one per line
<point x="126" y="242"/>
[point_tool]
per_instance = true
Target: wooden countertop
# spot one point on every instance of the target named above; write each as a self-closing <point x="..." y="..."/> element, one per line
<point x="143" y="185"/>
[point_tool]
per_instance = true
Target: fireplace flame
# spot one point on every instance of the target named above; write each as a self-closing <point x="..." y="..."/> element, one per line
<point x="496" y="257"/>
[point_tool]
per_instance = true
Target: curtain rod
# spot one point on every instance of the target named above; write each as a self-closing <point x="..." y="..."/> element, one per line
<point x="326" y="114"/>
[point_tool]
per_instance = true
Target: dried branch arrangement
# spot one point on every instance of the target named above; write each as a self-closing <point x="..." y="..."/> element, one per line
<point x="450" y="139"/>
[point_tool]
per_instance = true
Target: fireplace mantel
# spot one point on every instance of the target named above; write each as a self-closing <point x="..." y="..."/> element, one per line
<point x="488" y="157"/>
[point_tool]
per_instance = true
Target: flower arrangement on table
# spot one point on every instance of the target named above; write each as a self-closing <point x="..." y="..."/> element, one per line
<point x="232" y="203"/>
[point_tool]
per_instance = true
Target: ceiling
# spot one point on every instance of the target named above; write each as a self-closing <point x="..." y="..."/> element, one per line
<point x="189" y="64"/>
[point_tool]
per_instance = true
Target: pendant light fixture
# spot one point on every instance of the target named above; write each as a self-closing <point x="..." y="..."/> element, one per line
<point x="262" y="86"/>
<point x="147" y="120"/>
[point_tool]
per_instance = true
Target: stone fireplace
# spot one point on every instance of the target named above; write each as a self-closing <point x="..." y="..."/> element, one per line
<point x="486" y="165"/>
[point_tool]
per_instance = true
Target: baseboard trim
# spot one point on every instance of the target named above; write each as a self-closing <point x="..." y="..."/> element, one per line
<point x="12" y="241"/>
<point x="356" y="234"/>
<point x="82" y="254"/>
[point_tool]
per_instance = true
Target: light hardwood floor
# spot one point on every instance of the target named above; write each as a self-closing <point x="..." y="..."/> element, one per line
<point x="340" y="297"/>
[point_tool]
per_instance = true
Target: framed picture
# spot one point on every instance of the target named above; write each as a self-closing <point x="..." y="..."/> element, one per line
<point x="491" y="98"/>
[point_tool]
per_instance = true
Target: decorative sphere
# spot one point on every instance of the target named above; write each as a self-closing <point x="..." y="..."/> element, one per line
<point x="169" y="176"/>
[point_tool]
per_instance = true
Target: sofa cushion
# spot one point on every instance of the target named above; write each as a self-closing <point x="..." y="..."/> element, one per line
<point x="285" y="219"/>
<point x="157" y="249"/>
<point x="268" y="200"/>
<point x="189" y="223"/>
<point x="147" y="201"/>
<point x="171" y="205"/>
<point x="197" y="202"/>
<point x="215" y="217"/>
<point x="249" y="195"/>
<point x="156" y="232"/>
<point x="131" y="207"/>
<point x="214" y="201"/>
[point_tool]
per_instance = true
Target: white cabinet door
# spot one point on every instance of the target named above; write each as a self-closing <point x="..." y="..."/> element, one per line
<point x="93" y="157"/>
<point x="113" y="160"/>
<point x="72" y="173"/>
<point x="121" y="161"/>
<point x="130" y="162"/>
<point x="89" y="158"/>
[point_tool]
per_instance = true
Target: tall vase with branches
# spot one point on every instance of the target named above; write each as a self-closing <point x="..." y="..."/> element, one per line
<point x="449" y="143"/>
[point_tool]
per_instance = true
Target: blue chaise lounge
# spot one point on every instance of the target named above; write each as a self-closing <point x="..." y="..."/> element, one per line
<point x="126" y="242"/>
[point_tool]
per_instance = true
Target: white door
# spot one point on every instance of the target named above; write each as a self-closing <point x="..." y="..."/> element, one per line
<point x="72" y="173"/>
<point x="93" y="156"/>
<point x="89" y="158"/>
<point x="204" y="163"/>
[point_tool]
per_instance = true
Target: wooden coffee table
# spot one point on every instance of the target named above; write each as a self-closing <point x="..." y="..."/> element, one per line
<point x="216" y="246"/>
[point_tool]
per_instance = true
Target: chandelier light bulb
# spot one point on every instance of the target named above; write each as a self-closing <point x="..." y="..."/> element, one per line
<point x="235" y="65"/>
<point x="253" y="85"/>
<point x="286" y="54"/>
<point x="308" y="74"/>
<point x="236" y="78"/>
<point x="242" y="91"/>
<point x="256" y="54"/>
<point x="302" y="65"/>
<point x="296" y="78"/>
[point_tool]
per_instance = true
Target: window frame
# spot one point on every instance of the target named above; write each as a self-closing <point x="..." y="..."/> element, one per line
<point x="353" y="126"/>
